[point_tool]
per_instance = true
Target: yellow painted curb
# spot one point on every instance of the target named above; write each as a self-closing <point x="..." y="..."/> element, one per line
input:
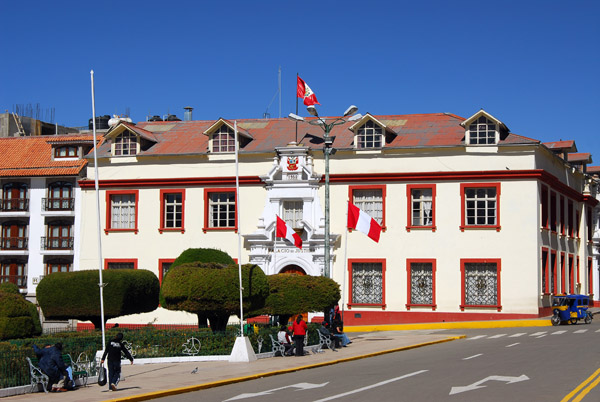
<point x="450" y="325"/>
<point x="192" y="388"/>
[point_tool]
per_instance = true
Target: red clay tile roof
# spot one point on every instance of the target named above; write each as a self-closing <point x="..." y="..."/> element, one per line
<point x="32" y="156"/>
<point x="568" y="146"/>
<point x="593" y="170"/>
<point x="414" y="130"/>
<point x="584" y="157"/>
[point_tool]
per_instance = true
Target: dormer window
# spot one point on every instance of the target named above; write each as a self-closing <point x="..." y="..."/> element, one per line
<point x="65" y="152"/>
<point x="125" y="144"/>
<point x="223" y="139"/>
<point x="482" y="132"/>
<point x="369" y="135"/>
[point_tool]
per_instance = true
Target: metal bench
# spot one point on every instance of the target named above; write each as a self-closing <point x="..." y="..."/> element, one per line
<point x="277" y="346"/>
<point x="38" y="377"/>
<point x="325" y="341"/>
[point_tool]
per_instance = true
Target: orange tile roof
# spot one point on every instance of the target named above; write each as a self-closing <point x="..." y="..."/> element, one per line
<point x="584" y="157"/>
<point x="414" y="130"/>
<point x="568" y="145"/>
<point x="32" y="156"/>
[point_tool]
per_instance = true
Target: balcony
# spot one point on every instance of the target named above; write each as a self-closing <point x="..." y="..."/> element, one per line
<point x="19" y="280"/>
<point x="58" y="204"/>
<point x="57" y="243"/>
<point x="14" y="243"/>
<point x="14" y="205"/>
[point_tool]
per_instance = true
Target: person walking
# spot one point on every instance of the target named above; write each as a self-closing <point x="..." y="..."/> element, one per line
<point x="113" y="350"/>
<point x="299" y="329"/>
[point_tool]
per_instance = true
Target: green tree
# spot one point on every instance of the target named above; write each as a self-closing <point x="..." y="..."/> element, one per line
<point x="291" y="294"/>
<point x="212" y="290"/>
<point x="18" y="317"/>
<point x="76" y="295"/>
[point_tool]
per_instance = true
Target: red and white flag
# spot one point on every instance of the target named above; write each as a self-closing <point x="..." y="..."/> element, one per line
<point x="305" y="92"/>
<point x="283" y="230"/>
<point x="361" y="221"/>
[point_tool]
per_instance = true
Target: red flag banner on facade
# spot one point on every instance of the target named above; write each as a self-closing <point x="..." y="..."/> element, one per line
<point x="361" y="221"/>
<point x="285" y="231"/>
<point x="305" y="92"/>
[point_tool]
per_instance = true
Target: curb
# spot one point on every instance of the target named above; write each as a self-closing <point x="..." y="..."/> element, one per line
<point x="176" y="391"/>
<point x="451" y="325"/>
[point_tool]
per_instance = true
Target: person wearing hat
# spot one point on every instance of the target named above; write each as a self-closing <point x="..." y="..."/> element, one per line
<point x="113" y="350"/>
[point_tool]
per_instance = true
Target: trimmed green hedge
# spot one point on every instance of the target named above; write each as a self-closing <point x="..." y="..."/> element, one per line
<point x="18" y="317"/>
<point x="76" y="295"/>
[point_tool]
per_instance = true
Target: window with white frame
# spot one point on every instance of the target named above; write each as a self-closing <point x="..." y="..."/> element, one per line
<point x="122" y="211"/>
<point x="221" y="209"/>
<point x="422" y="202"/>
<point x="480" y="205"/>
<point x="481" y="283"/>
<point x="173" y="210"/>
<point x="421" y="283"/>
<point x="369" y="135"/>
<point x="370" y="201"/>
<point x="482" y="132"/>
<point x="292" y="213"/>
<point x="367" y="283"/>
<point x="125" y="144"/>
<point x="223" y="139"/>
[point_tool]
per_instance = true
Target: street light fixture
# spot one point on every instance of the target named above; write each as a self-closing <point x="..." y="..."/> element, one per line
<point x="327" y="151"/>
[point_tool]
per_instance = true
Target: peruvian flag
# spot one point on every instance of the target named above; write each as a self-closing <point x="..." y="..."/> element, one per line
<point x="283" y="230"/>
<point x="361" y="221"/>
<point x="305" y="92"/>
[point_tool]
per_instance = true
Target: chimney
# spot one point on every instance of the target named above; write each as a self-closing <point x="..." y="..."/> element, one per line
<point x="187" y="115"/>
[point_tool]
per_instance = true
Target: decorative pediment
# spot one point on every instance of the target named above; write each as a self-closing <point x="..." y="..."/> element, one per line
<point x="484" y="129"/>
<point x="217" y="125"/>
<point x="480" y="113"/>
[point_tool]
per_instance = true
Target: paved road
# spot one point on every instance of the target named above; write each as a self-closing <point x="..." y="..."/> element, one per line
<point x="514" y="364"/>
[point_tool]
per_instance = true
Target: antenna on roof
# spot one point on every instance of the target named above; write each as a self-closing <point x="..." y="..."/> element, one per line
<point x="266" y="114"/>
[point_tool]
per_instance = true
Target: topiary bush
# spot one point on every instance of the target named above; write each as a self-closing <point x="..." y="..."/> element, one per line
<point x="15" y="317"/>
<point x="126" y="292"/>
<point x="9" y="287"/>
<point x="212" y="290"/>
<point x="291" y="294"/>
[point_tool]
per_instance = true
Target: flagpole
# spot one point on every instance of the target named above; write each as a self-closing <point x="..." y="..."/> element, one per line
<point x="237" y="192"/>
<point x="345" y="263"/>
<point x="297" y="76"/>
<point x="96" y="186"/>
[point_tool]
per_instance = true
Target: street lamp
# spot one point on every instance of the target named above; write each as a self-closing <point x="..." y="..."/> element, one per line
<point x="327" y="151"/>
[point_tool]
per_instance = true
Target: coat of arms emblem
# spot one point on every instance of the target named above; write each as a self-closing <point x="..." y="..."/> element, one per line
<point x="292" y="163"/>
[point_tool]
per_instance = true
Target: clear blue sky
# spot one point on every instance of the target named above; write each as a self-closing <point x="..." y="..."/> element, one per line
<point x="534" y="65"/>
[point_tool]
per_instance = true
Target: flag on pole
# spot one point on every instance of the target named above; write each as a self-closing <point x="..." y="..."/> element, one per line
<point x="283" y="230"/>
<point x="361" y="221"/>
<point x="305" y="92"/>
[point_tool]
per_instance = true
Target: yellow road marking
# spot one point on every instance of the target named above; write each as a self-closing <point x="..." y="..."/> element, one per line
<point x="580" y="386"/>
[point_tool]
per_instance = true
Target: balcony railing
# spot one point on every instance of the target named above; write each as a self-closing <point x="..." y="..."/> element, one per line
<point x="58" y="204"/>
<point x="14" y="204"/>
<point x="57" y="243"/>
<point x="19" y="280"/>
<point x="14" y="243"/>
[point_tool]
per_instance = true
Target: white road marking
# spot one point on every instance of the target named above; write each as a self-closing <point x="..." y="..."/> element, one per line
<point x="559" y="332"/>
<point x="300" y="386"/>
<point x="541" y="336"/>
<point x="478" y="337"/>
<point x="475" y="385"/>
<point x="580" y="331"/>
<point x="472" y="357"/>
<point x="539" y="333"/>
<point x="517" y="335"/>
<point x="371" y="386"/>
<point x="598" y="330"/>
<point x="513" y="344"/>
<point x="497" y="336"/>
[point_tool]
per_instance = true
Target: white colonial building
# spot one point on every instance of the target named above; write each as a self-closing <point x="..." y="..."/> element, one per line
<point x="478" y="222"/>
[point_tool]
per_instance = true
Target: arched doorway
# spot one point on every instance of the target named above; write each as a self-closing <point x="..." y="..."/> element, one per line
<point x="292" y="269"/>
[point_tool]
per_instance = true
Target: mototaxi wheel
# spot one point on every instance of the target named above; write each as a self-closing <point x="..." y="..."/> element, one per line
<point x="588" y="318"/>
<point x="555" y="319"/>
<point x="573" y="321"/>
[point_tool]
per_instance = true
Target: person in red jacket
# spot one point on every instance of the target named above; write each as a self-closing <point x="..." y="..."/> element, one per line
<point x="299" y="330"/>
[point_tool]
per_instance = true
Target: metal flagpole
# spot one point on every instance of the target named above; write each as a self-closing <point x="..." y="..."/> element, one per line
<point x="345" y="262"/>
<point x="101" y="285"/>
<point x="297" y="106"/>
<point x="237" y="194"/>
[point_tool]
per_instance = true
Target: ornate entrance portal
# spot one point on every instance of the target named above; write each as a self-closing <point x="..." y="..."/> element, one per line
<point x="292" y="269"/>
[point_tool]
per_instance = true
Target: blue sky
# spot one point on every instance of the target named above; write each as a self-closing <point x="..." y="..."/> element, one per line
<point x="532" y="64"/>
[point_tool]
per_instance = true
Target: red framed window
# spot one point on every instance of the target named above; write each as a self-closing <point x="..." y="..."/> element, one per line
<point x="553" y="273"/>
<point x="545" y="272"/>
<point x="480" y="206"/>
<point x="480" y="283"/>
<point x="544" y="203"/>
<point x="563" y="274"/>
<point x="367" y="282"/>
<point x="172" y="210"/>
<point x="371" y="199"/>
<point x="561" y="209"/>
<point x="122" y="211"/>
<point x="570" y="218"/>
<point x="553" y="218"/>
<point x="59" y="265"/>
<point x="590" y="274"/>
<point x="164" y="264"/>
<point x="65" y="152"/>
<point x="589" y="223"/>
<point x="571" y="274"/>
<point x="577" y="223"/>
<point x="420" y="206"/>
<point x="421" y="283"/>
<point x="220" y="209"/>
<point x="120" y="263"/>
<point x="14" y="272"/>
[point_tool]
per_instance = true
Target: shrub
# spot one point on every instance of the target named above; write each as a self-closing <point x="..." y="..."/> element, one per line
<point x="9" y="287"/>
<point x="126" y="292"/>
<point x="15" y="317"/>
